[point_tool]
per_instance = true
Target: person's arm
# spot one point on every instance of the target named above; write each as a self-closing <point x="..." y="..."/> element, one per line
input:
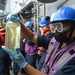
<point x="28" y="33"/>
<point x="32" y="71"/>
<point x="17" y="56"/>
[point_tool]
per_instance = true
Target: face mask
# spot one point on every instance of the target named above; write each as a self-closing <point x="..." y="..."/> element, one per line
<point x="61" y="36"/>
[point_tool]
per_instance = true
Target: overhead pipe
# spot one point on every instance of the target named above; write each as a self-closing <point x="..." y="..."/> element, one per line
<point x="62" y="4"/>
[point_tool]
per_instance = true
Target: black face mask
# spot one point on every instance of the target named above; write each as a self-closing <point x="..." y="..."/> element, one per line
<point x="61" y="36"/>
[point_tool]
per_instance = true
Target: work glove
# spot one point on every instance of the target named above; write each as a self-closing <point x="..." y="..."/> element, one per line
<point x="13" y="17"/>
<point x="16" y="55"/>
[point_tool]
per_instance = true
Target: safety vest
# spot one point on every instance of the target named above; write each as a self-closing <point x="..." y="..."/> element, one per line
<point x="31" y="49"/>
<point x="56" y="59"/>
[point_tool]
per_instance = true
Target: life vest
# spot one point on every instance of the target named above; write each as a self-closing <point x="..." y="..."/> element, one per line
<point x="2" y="36"/>
<point x="56" y="59"/>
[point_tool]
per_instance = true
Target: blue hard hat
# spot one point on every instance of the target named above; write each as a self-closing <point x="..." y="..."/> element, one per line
<point x="44" y="21"/>
<point x="64" y="13"/>
<point x="29" y="24"/>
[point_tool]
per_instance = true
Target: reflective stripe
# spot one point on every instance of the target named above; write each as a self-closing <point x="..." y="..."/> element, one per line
<point x="55" y="60"/>
<point x="62" y="60"/>
<point x="49" y="52"/>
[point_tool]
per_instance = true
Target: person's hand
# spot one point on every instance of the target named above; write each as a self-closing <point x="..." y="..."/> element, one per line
<point x="24" y="40"/>
<point x="39" y="52"/>
<point x="42" y="30"/>
<point x="16" y="56"/>
<point x="13" y="17"/>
